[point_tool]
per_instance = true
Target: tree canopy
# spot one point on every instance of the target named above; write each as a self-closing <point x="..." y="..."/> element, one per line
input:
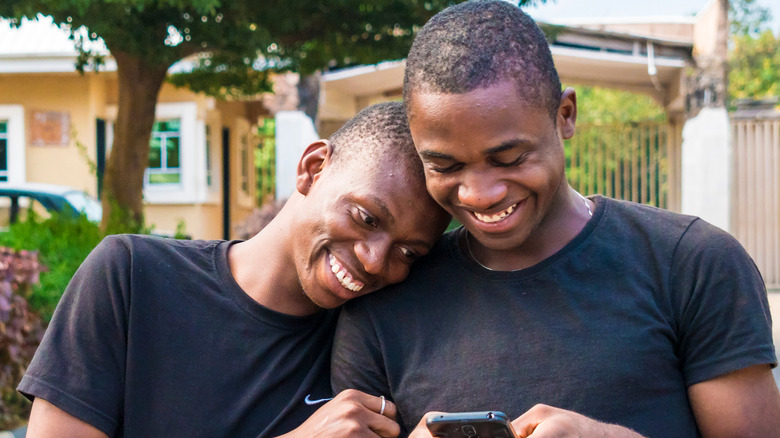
<point x="754" y="53"/>
<point x="239" y="43"/>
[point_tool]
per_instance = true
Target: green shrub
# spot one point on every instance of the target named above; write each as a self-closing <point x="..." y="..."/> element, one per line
<point x="62" y="244"/>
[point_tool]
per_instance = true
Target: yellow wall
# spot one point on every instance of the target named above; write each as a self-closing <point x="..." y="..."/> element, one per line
<point x="82" y="98"/>
<point x="200" y="221"/>
<point x="92" y="96"/>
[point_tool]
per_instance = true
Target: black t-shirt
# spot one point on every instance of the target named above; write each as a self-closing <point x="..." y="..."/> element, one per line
<point x="617" y="325"/>
<point x="154" y="338"/>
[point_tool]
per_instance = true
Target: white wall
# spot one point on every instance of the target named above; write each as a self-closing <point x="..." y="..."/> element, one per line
<point x="706" y="167"/>
<point x="294" y="132"/>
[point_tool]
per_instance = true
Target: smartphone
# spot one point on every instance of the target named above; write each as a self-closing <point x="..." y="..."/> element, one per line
<point x="489" y="424"/>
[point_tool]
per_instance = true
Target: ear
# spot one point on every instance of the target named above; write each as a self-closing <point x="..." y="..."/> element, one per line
<point x="567" y="113"/>
<point x="313" y="161"/>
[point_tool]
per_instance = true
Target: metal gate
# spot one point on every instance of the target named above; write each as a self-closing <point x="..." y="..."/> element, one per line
<point x="755" y="212"/>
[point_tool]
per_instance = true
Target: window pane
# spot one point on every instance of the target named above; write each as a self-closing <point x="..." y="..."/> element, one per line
<point x="3" y="151"/>
<point x="173" y="125"/>
<point x="3" y="154"/>
<point x="164" y="178"/>
<point x="155" y="160"/>
<point x="172" y="152"/>
<point x="208" y="155"/>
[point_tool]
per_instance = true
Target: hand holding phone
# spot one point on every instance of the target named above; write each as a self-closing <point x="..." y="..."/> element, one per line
<point x="488" y="424"/>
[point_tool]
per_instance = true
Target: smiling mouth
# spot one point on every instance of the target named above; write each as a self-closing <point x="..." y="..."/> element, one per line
<point x="344" y="277"/>
<point x="493" y="218"/>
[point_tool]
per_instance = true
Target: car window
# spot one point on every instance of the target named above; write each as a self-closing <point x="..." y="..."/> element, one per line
<point x="83" y="203"/>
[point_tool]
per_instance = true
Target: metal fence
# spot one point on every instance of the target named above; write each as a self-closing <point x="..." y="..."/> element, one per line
<point x="636" y="162"/>
<point x="641" y="163"/>
<point x="755" y="212"/>
<point x="265" y="160"/>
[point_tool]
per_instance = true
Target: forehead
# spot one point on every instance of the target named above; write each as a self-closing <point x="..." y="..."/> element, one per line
<point x="484" y="117"/>
<point x="383" y="176"/>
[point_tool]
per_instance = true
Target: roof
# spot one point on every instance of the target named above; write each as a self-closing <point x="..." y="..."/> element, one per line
<point x="29" y="187"/>
<point x="40" y="46"/>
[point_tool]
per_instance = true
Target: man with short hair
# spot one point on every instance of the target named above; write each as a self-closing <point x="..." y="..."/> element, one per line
<point x="575" y="316"/>
<point x="162" y="338"/>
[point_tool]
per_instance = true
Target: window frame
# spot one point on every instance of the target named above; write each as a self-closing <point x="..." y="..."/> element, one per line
<point x="13" y="116"/>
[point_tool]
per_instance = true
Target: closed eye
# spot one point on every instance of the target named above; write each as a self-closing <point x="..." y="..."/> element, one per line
<point x="501" y="163"/>
<point x="445" y="169"/>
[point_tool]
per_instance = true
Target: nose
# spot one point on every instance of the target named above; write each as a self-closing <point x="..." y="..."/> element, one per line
<point x="480" y="191"/>
<point x="372" y="253"/>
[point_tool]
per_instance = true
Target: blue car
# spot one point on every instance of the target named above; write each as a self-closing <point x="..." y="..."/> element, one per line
<point x="18" y="200"/>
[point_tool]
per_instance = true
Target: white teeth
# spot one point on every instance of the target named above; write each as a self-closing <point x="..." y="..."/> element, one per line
<point x="495" y="217"/>
<point x="343" y="275"/>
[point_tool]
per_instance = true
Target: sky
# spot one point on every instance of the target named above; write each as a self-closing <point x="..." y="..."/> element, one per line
<point x="553" y="9"/>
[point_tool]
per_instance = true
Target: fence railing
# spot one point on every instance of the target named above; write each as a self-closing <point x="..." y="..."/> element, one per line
<point x="755" y="211"/>
<point x="634" y="162"/>
<point x="265" y="160"/>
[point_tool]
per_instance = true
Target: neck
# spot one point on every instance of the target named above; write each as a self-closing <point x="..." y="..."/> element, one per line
<point x="264" y="268"/>
<point x="562" y="223"/>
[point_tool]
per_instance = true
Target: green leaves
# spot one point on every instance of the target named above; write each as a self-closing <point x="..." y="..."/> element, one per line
<point x="754" y="66"/>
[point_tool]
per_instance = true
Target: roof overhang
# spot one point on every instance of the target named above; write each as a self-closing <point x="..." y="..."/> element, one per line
<point x="582" y="56"/>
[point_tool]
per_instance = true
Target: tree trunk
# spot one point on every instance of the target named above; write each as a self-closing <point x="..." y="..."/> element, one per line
<point x="139" y="86"/>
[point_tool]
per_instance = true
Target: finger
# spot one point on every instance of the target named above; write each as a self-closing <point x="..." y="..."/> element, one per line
<point x="386" y="408"/>
<point x="421" y="431"/>
<point x="384" y="427"/>
<point x="527" y="423"/>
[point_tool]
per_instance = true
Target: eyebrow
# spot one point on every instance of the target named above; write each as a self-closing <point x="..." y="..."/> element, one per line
<point x="507" y="145"/>
<point x="433" y="155"/>
<point x="386" y="211"/>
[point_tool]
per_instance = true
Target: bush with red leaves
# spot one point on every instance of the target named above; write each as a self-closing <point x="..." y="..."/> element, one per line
<point x="20" y="330"/>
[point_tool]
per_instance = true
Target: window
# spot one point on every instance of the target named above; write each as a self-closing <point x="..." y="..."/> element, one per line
<point x="12" y="144"/>
<point x="209" y="172"/>
<point x="164" y="153"/>
<point x="4" y="150"/>
<point x="245" y="163"/>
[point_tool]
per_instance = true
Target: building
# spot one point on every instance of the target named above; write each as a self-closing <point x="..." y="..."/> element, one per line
<point x="56" y="127"/>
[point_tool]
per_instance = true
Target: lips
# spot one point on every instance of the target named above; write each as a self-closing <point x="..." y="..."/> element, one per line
<point x="344" y="277"/>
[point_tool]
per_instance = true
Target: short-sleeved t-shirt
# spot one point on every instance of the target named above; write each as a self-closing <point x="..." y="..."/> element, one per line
<point x="640" y="305"/>
<point x="153" y="337"/>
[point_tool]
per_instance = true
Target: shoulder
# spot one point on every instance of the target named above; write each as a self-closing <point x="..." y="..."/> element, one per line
<point x="648" y="226"/>
<point x="632" y="214"/>
<point x="145" y="246"/>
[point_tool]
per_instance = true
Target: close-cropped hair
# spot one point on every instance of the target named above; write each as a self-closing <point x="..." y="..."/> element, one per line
<point x="477" y="44"/>
<point x="375" y="134"/>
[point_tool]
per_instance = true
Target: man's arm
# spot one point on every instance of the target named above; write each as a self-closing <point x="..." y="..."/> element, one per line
<point x="49" y="421"/>
<point x="744" y="403"/>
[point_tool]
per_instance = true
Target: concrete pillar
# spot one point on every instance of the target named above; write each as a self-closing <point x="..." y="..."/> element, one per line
<point x="706" y="167"/>
<point x="706" y="146"/>
<point x="294" y="132"/>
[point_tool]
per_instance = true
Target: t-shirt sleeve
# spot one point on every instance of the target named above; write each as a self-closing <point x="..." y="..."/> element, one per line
<point x="80" y="364"/>
<point x="723" y="317"/>
<point x="357" y="358"/>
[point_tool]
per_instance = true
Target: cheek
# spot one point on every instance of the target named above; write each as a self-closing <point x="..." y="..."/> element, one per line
<point x="438" y="186"/>
<point x="397" y="273"/>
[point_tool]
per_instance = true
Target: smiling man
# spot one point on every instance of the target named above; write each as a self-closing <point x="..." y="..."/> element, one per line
<point x="166" y="338"/>
<point x="586" y="317"/>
